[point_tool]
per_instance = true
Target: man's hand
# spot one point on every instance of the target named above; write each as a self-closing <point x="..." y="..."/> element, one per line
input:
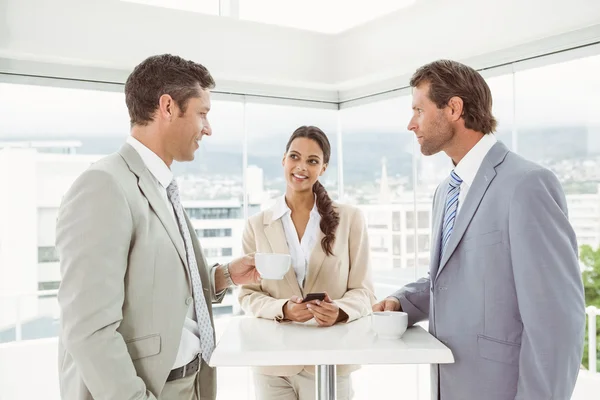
<point x="326" y="312"/>
<point x="243" y="270"/>
<point x="389" y="304"/>
<point x="296" y="310"/>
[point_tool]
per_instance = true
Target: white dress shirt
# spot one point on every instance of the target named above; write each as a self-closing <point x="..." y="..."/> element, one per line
<point x="300" y="250"/>
<point x="189" y="346"/>
<point x="467" y="167"/>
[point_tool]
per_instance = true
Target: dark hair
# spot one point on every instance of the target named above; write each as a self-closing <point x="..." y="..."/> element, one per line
<point x="163" y="74"/>
<point x="329" y="217"/>
<point x="450" y="78"/>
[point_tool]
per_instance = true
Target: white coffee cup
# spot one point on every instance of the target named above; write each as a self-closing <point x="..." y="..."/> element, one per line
<point x="272" y="265"/>
<point x="389" y="324"/>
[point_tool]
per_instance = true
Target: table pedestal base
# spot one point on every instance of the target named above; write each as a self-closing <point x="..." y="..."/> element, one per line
<point x="326" y="382"/>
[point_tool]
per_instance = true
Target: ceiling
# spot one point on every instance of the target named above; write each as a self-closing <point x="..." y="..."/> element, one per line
<point x="323" y="16"/>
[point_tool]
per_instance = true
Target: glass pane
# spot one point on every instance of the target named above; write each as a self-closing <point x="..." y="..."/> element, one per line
<point x="378" y="178"/>
<point x="269" y="129"/>
<point x="212" y="187"/>
<point x="48" y="137"/>
<point x="559" y="127"/>
<point x="503" y="104"/>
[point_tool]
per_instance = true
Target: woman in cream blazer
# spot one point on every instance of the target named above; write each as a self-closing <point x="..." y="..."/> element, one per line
<point x="330" y="253"/>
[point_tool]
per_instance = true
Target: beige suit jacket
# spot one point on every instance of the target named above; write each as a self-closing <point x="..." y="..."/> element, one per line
<point x="125" y="287"/>
<point x="345" y="276"/>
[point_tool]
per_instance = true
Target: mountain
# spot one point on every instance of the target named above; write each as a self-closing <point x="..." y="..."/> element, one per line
<point x="363" y="152"/>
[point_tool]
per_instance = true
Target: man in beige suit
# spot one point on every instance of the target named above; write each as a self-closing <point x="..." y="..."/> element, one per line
<point x="136" y="291"/>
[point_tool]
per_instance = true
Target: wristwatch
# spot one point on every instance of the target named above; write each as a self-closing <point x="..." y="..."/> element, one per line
<point x="227" y="275"/>
<point x="228" y="279"/>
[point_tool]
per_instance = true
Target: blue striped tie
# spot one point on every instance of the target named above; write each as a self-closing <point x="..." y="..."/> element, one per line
<point x="451" y="209"/>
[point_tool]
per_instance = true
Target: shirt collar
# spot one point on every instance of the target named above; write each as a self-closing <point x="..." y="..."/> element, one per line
<point x="467" y="167"/>
<point x="153" y="162"/>
<point x="281" y="208"/>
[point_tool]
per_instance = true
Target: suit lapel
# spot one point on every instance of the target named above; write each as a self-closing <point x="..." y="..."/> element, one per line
<point x="315" y="264"/>
<point x="438" y="211"/>
<point x="483" y="179"/>
<point x="276" y="237"/>
<point x="148" y="188"/>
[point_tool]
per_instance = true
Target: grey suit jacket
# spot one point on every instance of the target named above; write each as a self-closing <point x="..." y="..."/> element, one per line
<point x="507" y="297"/>
<point x="125" y="286"/>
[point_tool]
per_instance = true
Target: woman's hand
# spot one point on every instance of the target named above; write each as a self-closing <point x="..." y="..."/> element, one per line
<point x="296" y="310"/>
<point x="326" y="312"/>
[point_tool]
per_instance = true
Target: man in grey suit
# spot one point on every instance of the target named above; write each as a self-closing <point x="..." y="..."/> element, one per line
<point x="136" y="291"/>
<point x="504" y="290"/>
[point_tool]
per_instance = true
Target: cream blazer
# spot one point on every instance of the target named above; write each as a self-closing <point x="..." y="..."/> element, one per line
<point x="345" y="276"/>
<point x="125" y="287"/>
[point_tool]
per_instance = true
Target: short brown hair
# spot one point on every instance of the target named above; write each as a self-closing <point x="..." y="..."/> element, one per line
<point x="450" y="78"/>
<point x="159" y="75"/>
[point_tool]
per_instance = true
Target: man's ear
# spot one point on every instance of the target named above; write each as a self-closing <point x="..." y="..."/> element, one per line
<point x="166" y="107"/>
<point x="455" y="106"/>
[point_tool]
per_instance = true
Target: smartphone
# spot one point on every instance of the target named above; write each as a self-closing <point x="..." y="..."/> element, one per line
<point x="314" y="296"/>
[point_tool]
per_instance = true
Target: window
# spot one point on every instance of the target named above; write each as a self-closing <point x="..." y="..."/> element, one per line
<point x="423" y="244"/>
<point x="214" y="213"/>
<point x="564" y="134"/>
<point x="206" y="233"/>
<point x="381" y="174"/>
<point x="211" y="252"/>
<point x="410" y="244"/>
<point x="423" y="219"/>
<point x="218" y="252"/>
<point x="377" y="219"/>
<point x="396" y="221"/>
<point x="378" y="177"/>
<point x="216" y="174"/>
<point x="410" y="220"/>
<point x="379" y="244"/>
<point x="47" y="254"/>
<point x="503" y="108"/>
<point x="559" y="128"/>
<point x="397" y="248"/>
<point x="48" y="285"/>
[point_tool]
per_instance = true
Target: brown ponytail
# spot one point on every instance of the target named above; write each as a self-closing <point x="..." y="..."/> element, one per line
<point x="329" y="217"/>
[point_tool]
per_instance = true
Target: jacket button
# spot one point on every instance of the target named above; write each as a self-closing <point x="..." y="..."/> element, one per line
<point x="189" y="300"/>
